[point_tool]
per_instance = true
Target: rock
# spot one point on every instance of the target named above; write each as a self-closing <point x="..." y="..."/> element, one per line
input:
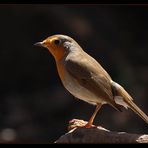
<point x="79" y="134"/>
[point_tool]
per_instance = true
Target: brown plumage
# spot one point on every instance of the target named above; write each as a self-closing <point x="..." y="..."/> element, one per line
<point x="85" y="78"/>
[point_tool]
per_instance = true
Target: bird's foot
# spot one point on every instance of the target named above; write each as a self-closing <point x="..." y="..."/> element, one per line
<point x="77" y="123"/>
<point x="88" y="125"/>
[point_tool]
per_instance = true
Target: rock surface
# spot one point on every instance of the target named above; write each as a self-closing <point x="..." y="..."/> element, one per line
<point x="98" y="135"/>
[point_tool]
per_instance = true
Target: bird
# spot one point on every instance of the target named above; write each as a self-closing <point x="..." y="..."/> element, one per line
<point x="85" y="78"/>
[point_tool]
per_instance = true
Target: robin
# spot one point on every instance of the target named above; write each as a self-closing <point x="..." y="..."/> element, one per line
<point x="85" y="78"/>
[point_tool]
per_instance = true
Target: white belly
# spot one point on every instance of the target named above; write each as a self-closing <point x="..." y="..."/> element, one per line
<point x="78" y="91"/>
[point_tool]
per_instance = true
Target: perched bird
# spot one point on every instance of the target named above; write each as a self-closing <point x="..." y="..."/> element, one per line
<point x="85" y="78"/>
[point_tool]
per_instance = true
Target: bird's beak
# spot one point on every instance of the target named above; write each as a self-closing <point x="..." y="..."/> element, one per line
<point x="40" y="44"/>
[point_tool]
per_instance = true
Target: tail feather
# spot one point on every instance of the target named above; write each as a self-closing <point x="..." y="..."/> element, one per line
<point x="119" y="91"/>
<point x="138" y="111"/>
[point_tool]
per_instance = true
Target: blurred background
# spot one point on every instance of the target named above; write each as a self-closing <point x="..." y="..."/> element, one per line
<point x="34" y="106"/>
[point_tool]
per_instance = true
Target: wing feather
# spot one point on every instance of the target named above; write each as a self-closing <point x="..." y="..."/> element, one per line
<point x="90" y="74"/>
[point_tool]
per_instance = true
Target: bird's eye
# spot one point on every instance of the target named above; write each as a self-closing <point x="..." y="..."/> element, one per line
<point x="56" y="42"/>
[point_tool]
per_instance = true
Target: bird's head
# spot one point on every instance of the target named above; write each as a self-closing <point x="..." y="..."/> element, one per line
<point x="58" y="45"/>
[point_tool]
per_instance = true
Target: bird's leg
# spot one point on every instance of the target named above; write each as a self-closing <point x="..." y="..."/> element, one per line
<point x="90" y="122"/>
<point x="76" y="123"/>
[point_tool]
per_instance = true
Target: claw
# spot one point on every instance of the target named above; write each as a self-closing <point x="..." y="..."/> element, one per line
<point x="76" y="123"/>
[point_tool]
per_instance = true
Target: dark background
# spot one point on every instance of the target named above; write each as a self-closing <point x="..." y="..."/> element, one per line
<point x="34" y="106"/>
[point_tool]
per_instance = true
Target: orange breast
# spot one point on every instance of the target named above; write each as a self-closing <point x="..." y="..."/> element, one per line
<point x="60" y="68"/>
<point x="58" y="54"/>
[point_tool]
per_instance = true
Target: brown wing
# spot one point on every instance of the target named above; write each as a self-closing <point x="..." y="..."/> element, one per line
<point x="89" y="74"/>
